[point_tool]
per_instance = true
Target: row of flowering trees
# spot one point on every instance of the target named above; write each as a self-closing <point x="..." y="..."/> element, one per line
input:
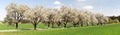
<point x="62" y="16"/>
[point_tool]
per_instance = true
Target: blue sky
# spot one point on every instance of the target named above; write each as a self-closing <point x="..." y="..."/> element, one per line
<point x="107" y="7"/>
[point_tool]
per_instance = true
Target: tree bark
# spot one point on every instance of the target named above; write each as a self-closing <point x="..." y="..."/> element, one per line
<point x="92" y="24"/>
<point x="52" y="24"/>
<point x="35" y="26"/>
<point x="97" y="23"/>
<point x="65" y="25"/>
<point x="59" y="24"/>
<point x="74" y="24"/>
<point x="48" y="24"/>
<point x="16" y="25"/>
<point x="81" y="24"/>
<point x="87" y="24"/>
<point x="100" y="23"/>
<point x="78" y="23"/>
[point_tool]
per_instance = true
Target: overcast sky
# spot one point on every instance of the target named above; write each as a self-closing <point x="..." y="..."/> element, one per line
<point x="107" y="7"/>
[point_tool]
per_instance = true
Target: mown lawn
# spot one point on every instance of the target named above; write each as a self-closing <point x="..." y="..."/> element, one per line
<point x="109" y="29"/>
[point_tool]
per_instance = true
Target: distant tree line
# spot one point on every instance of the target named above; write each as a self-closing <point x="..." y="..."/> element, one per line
<point x="114" y="19"/>
<point x="64" y="15"/>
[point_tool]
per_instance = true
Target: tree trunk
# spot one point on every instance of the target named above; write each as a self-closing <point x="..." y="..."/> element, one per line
<point x="74" y="24"/>
<point x="77" y="23"/>
<point x="65" y="25"/>
<point x="97" y="23"/>
<point x="81" y="24"/>
<point x="48" y="24"/>
<point x="35" y="26"/>
<point x="52" y="24"/>
<point x="59" y="24"/>
<point x="100" y="23"/>
<point x="16" y="25"/>
<point x="92" y="24"/>
<point x="87" y="24"/>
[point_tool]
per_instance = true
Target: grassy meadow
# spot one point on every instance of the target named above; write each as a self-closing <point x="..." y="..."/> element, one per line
<point x="25" y="29"/>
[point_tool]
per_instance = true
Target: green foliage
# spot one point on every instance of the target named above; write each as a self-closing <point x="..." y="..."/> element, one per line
<point x="113" y="21"/>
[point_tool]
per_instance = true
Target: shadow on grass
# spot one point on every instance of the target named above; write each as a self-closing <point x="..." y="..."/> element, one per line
<point x="33" y="29"/>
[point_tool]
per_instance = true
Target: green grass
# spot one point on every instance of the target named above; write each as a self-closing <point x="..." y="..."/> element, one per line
<point x="21" y="26"/>
<point x="109" y="29"/>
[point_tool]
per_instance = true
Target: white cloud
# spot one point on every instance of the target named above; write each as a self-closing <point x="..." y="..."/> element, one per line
<point x="57" y="2"/>
<point x="88" y="7"/>
<point x="81" y="0"/>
